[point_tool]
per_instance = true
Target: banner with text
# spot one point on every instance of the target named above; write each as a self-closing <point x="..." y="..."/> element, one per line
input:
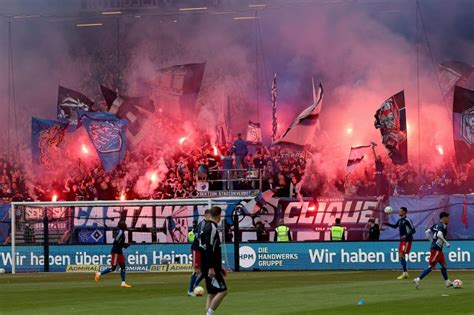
<point x="253" y="256"/>
<point x="308" y="219"/>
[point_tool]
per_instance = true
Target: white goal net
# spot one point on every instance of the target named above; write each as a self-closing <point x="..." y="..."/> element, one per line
<point x="78" y="234"/>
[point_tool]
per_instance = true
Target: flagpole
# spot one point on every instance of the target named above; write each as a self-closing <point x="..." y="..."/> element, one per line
<point x="118" y="57"/>
<point x="228" y="118"/>
<point x="9" y="88"/>
<point x="256" y="64"/>
<point x="418" y="99"/>
<point x="12" y="99"/>
<point x="274" y="109"/>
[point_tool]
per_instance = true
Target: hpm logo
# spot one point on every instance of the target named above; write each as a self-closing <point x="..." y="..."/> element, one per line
<point x="247" y="257"/>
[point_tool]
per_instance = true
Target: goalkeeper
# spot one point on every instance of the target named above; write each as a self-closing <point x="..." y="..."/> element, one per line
<point x="117" y="255"/>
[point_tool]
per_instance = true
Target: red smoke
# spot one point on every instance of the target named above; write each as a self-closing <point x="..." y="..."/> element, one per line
<point x="361" y="54"/>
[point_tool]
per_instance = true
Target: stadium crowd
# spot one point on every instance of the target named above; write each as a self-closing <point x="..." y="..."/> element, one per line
<point x="446" y="178"/>
<point x="178" y="175"/>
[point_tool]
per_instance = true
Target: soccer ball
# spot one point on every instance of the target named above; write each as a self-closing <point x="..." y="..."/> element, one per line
<point x="199" y="291"/>
<point x="457" y="284"/>
<point x="388" y="210"/>
<point x="2" y="270"/>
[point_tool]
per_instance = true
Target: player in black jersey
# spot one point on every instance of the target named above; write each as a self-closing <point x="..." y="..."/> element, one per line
<point x="117" y="255"/>
<point x="196" y="249"/>
<point x="211" y="262"/>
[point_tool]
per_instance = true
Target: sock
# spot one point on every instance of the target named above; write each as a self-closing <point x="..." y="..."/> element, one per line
<point x="444" y="272"/>
<point x="404" y="264"/>
<point x="103" y="272"/>
<point x="425" y="273"/>
<point x="122" y="274"/>
<point x="199" y="279"/>
<point x="210" y="311"/>
<point x="191" y="283"/>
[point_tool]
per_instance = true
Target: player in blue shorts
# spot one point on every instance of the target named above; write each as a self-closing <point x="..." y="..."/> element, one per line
<point x="117" y="255"/>
<point x="406" y="229"/>
<point x="437" y="235"/>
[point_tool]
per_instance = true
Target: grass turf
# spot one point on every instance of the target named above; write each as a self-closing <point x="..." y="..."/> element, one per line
<point x="249" y="293"/>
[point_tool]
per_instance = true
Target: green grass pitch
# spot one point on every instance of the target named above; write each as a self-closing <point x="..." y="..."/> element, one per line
<point x="249" y="293"/>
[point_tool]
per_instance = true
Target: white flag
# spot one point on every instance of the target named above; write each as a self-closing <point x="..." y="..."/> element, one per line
<point x="356" y="156"/>
<point x="302" y="130"/>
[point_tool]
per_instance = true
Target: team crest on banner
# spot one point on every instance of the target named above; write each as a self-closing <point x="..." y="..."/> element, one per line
<point x="463" y="124"/>
<point x="46" y="136"/>
<point x="107" y="133"/>
<point x="467" y="126"/>
<point x="202" y="186"/>
<point x="254" y="133"/>
<point x="390" y="118"/>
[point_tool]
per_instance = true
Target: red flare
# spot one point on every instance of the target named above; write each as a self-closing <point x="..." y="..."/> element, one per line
<point x="85" y="150"/>
<point x="440" y="149"/>
<point x="154" y="177"/>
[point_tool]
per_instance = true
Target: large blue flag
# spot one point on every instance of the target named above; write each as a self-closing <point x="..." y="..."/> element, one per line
<point x="107" y="133"/>
<point x="46" y="135"/>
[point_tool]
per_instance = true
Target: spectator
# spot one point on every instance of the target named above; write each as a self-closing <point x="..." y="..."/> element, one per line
<point x="258" y="161"/>
<point x="227" y="166"/>
<point x="337" y="231"/>
<point x="282" y="233"/>
<point x="212" y="166"/>
<point x="29" y="234"/>
<point x="379" y="176"/>
<point x="228" y="235"/>
<point x="294" y="187"/>
<point x="282" y="187"/>
<point x="374" y="230"/>
<point x="240" y="150"/>
<point x="262" y="234"/>
<point x="283" y="172"/>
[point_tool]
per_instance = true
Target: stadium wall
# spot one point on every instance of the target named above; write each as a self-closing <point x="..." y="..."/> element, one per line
<point x="309" y="220"/>
<point x="253" y="256"/>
